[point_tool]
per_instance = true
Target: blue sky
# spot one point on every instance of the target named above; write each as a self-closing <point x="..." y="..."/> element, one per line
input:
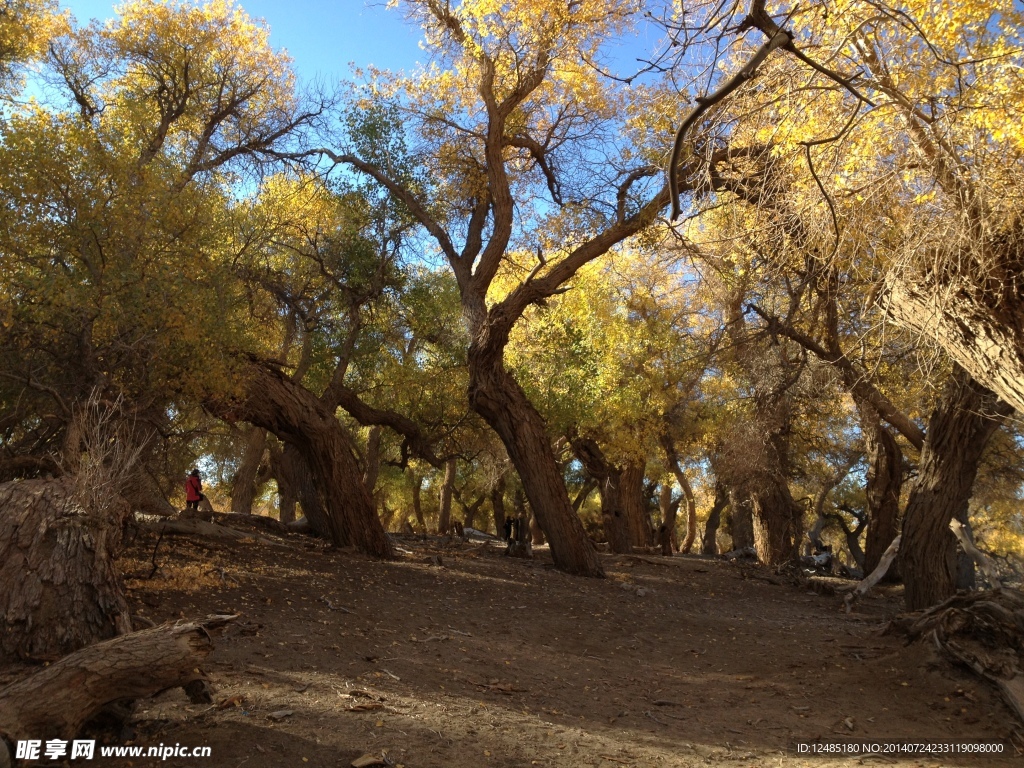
<point x="321" y="36"/>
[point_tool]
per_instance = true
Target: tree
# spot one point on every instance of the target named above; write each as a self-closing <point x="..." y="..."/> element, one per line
<point x="512" y="134"/>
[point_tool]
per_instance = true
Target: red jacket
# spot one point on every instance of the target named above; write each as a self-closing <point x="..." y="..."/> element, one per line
<point x="193" y="488"/>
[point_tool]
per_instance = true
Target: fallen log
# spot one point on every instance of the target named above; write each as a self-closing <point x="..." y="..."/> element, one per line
<point x="196" y="527"/>
<point x="55" y="702"/>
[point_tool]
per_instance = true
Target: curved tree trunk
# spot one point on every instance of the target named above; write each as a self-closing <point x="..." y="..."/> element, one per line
<point x="958" y="431"/>
<point x="243" y="485"/>
<point x="640" y="531"/>
<point x="883" y="487"/>
<point x="60" y="590"/>
<point x="296" y="416"/>
<point x="498" y="398"/>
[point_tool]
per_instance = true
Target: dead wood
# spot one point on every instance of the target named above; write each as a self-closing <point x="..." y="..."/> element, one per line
<point x="983" y="631"/>
<point x="210" y="530"/>
<point x="875" y="576"/>
<point x="55" y="702"/>
<point x="983" y="562"/>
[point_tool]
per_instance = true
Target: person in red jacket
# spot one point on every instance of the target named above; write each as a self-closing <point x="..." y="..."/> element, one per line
<point x="193" y="490"/>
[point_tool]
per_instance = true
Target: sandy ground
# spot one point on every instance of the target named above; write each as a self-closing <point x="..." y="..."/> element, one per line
<point x="484" y="660"/>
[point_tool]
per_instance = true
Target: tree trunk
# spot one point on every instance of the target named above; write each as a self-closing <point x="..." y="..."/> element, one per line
<point x="741" y="523"/>
<point x="55" y="702"/>
<point x="709" y="546"/>
<point x="883" y="487"/>
<point x="243" y="485"/>
<point x="982" y="329"/>
<point x="609" y="484"/>
<point x="302" y="489"/>
<point x="287" y="495"/>
<point x="585" y="491"/>
<point x="668" y="518"/>
<point x="444" y="515"/>
<point x="60" y="590"/>
<point x="496" y="396"/>
<point x="299" y="418"/>
<point x="498" y="506"/>
<point x="958" y="431"/>
<point x="417" y="502"/>
<point x="777" y="521"/>
<point x="639" y="521"/>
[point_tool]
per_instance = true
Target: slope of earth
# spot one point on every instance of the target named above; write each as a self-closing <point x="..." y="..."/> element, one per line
<point x="456" y="656"/>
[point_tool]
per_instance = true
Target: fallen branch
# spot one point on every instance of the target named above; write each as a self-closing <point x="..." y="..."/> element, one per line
<point x="875" y="576"/>
<point x="984" y="563"/>
<point x="55" y="702"/>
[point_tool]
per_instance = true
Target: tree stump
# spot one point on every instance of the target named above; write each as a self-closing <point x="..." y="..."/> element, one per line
<point x="60" y="588"/>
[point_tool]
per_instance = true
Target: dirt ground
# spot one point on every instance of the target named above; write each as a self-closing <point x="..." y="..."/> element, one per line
<point x="476" y="659"/>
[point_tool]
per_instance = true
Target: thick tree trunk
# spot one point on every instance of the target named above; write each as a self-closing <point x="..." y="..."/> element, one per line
<point x="299" y="418"/>
<point x="55" y="702"/>
<point x="741" y="522"/>
<point x="303" y="490"/>
<point x="958" y="431"/>
<point x="777" y="521"/>
<point x="496" y="396"/>
<point x="243" y="485"/>
<point x="444" y="515"/>
<point x="60" y="590"/>
<point x="882" y="490"/>
<point x="640" y="531"/>
<point x="981" y="328"/>
<point x="709" y="546"/>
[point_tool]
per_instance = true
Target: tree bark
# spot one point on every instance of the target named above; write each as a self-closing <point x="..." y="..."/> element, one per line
<point x="741" y="523"/>
<point x="709" y="546"/>
<point x="55" y="702"/>
<point x="296" y="416"/>
<point x="982" y="329"/>
<point x="498" y="398"/>
<point x="444" y="515"/>
<point x="776" y="521"/>
<point x="640" y="531"/>
<point x="959" y="429"/>
<point x="60" y="590"/>
<point x="886" y="470"/>
<point x="243" y="485"/>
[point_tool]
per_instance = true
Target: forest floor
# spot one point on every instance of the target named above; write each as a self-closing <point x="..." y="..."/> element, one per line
<point x="477" y="659"/>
